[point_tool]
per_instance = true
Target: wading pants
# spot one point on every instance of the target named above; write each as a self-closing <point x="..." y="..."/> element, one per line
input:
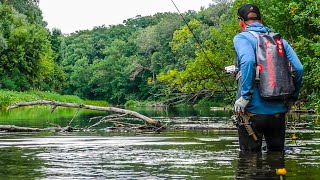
<point x="271" y="127"/>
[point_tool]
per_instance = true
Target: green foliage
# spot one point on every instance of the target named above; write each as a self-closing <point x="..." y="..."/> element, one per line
<point x="134" y="103"/>
<point x="9" y="97"/>
<point x="118" y="60"/>
<point x="313" y="102"/>
<point x="96" y="103"/>
<point x="29" y="8"/>
<point x="147" y="58"/>
<point x="57" y="45"/>
<point x="26" y="60"/>
<point x="204" y="70"/>
<point x="214" y="102"/>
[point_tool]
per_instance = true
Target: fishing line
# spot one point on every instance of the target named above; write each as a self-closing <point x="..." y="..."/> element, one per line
<point x="205" y="54"/>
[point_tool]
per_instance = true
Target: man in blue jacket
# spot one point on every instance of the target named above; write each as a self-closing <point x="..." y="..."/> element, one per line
<point x="268" y="116"/>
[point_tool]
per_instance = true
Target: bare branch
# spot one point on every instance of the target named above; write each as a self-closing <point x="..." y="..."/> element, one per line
<point x="73" y="116"/>
<point x="107" y="119"/>
<point x="82" y="106"/>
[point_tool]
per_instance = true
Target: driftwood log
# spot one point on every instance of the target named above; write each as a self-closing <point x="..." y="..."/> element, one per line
<point x="11" y="128"/>
<point x="90" y="107"/>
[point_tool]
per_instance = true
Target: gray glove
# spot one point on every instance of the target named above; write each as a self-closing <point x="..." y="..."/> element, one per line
<point x="240" y="104"/>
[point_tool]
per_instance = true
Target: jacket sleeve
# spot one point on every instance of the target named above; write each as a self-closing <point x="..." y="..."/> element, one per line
<point x="246" y="58"/>
<point x="298" y="67"/>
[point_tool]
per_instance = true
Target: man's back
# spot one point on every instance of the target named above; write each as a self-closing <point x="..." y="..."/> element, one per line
<point x="266" y="117"/>
<point x="245" y="45"/>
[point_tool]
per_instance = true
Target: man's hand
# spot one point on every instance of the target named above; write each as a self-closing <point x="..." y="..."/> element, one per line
<point x="240" y="104"/>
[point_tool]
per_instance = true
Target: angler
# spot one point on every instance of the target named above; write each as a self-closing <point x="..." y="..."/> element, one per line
<point x="266" y="86"/>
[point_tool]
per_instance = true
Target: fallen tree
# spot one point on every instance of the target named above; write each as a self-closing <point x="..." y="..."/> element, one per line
<point x="12" y="128"/>
<point x="111" y="118"/>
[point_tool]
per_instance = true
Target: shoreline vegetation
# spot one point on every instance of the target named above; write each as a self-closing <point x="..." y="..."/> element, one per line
<point x="13" y="99"/>
<point x="8" y="98"/>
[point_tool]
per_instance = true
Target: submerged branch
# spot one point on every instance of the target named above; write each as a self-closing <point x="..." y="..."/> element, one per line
<point x="104" y="119"/>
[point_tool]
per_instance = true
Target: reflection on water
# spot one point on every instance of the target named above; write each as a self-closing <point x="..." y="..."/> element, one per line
<point x="259" y="165"/>
<point x="19" y="163"/>
<point x="124" y="157"/>
<point x="183" y="154"/>
<point x="172" y="155"/>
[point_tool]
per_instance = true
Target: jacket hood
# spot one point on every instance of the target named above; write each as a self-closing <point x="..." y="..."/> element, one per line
<point x="258" y="27"/>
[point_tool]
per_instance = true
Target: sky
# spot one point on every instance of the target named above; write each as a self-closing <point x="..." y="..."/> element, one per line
<point x="72" y="15"/>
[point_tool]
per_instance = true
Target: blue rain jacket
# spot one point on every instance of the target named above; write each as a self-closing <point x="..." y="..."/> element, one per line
<point x="245" y="45"/>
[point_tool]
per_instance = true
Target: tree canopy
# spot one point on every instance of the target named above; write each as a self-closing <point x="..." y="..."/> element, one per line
<point x="26" y="55"/>
<point x="148" y="57"/>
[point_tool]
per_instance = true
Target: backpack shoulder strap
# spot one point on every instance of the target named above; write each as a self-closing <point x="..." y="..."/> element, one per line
<point x="255" y="34"/>
<point x="257" y="69"/>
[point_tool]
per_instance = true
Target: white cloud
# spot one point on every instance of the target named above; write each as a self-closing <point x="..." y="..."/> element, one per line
<point x="72" y="15"/>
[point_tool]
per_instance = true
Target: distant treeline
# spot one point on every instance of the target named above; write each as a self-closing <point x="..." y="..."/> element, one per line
<point x="148" y="58"/>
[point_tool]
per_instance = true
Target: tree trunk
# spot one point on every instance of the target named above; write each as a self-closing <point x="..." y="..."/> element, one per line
<point x="83" y="106"/>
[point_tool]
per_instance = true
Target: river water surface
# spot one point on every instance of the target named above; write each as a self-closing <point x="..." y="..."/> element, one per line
<point x="189" y="153"/>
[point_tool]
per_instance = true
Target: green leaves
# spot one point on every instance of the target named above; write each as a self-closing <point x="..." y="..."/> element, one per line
<point x="3" y="43"/>
<point x="200" y="69"/>
<point x="146" y="56"/>
<point x="26" y="55"/>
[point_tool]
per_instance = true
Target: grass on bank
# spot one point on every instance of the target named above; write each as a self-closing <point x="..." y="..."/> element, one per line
<point x="199" y="104"/>
<point x="8" y="98"/>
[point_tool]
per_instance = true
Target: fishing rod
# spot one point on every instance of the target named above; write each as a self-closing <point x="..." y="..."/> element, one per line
<point x="205" y="54"/>
<point x="238" y="119"/>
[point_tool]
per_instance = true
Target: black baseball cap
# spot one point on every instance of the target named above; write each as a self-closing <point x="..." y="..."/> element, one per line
<point x="245" y="9"/>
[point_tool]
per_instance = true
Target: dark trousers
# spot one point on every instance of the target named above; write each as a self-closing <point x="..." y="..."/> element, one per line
<point x="271" y="127"/>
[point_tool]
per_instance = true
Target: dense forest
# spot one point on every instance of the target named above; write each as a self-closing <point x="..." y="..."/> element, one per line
<point x="150" y="58"/>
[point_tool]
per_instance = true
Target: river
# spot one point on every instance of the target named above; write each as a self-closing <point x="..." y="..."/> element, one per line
<point x="201" y="153"/>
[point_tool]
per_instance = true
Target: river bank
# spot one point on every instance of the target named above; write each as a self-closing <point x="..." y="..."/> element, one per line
<point x="8" y="98"/>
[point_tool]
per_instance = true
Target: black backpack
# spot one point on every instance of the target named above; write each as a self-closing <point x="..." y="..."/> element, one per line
<point x="274" y="74"/>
